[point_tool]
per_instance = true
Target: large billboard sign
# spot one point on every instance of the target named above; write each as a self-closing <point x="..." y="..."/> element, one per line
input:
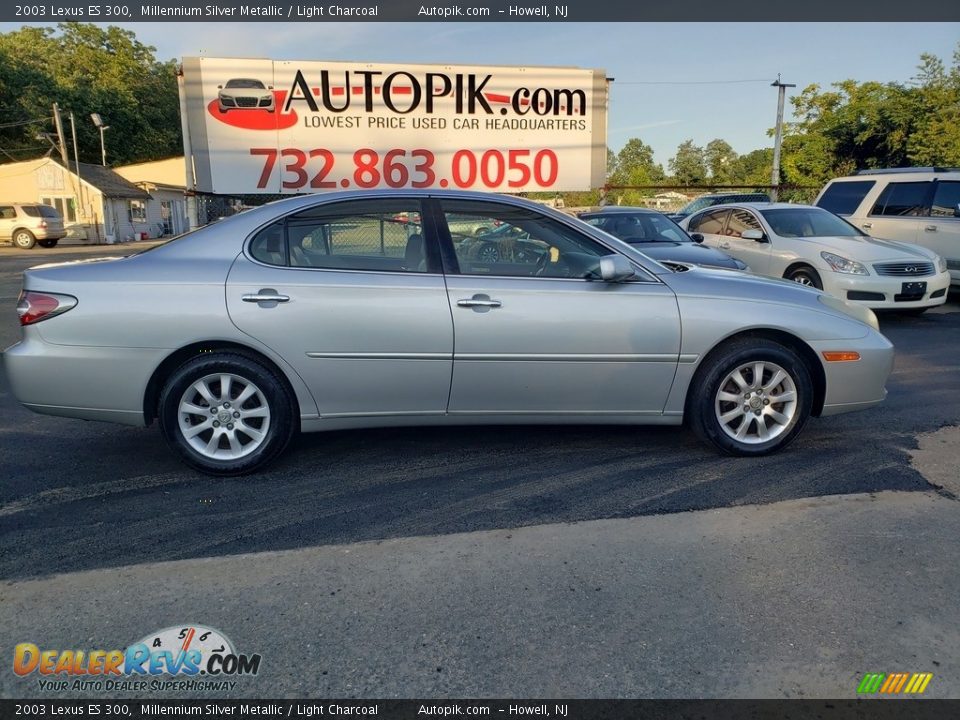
<point x="270" y="126"/>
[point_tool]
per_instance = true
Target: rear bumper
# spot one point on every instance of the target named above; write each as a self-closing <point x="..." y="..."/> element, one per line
<point x="91" y="383"/>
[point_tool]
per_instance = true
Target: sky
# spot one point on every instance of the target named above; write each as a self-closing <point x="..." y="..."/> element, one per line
<point x="673" y="81"/>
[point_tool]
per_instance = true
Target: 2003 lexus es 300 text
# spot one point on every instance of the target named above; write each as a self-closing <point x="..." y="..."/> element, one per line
<point x="361" y="309"/>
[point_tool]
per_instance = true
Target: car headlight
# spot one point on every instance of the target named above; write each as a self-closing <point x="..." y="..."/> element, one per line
<point x="941" y="264"/>
<point x="844" y="265"/>
<point x="857" y="312"/>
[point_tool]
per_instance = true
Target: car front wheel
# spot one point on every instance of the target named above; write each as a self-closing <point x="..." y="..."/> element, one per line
<point x="24" y="239"/>
<point x="751" y="398"/>
<point x="806" y="276"/>
<point x="226" y="414"/>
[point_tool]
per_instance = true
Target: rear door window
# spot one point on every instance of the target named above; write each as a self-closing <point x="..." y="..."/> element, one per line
<point x="906" y="199"/>
<point x="946" y="200"/>
<point x="710" y="223"/>
<point x="843" y="198"/>
<point x="371" y="235"/>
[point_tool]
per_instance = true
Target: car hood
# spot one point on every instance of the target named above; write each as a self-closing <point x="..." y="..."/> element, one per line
<point x="686" y="252"/>
<point x="870" y="249"/>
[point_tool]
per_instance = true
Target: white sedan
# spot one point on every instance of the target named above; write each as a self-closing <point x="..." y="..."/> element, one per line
<point x="814" y="247"/>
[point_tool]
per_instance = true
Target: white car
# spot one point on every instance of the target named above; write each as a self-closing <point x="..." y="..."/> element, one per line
<point x="245" y="94"/>
<point x="814" y="247"/>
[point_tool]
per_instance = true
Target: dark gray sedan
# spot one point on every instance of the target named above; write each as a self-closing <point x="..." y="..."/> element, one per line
<point x="359" y="309"/>
<point x="659" y="237"/>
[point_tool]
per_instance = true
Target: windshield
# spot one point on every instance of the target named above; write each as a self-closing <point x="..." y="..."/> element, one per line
<point x="808" y="222"/>
<point x="245" y="83"/>
<point x="639" y="227"/>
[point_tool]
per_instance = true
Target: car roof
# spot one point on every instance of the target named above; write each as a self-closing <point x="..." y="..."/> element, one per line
<point x="761" y="206"/>
<point x="621" y="209"/>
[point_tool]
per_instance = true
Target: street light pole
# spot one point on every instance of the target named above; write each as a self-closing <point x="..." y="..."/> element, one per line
<point x="103" y="148"/>
<point x="778" y="138"/>
<point x="98" y="121"/>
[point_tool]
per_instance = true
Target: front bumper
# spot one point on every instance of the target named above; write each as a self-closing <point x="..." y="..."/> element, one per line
<point x="860" y="384"/>
<point x="886" y="289"/>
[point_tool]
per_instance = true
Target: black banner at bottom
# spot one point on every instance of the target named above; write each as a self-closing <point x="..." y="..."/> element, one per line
<point x="850" y="709"/>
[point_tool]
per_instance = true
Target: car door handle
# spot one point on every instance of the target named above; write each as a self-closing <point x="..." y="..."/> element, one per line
<point x="479" y="302"/>
<point x="266" y="295"/>
<point x="930" y="228"/>
<point x="867" y="226"/>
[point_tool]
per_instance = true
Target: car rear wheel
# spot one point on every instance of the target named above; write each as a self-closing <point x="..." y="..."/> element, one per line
<point x="47" y="243"/>
<point x="226" y="414"/>
<point x="24" y="239"/>
<point x="806" y="276"/>
<point x="751" y="398"/>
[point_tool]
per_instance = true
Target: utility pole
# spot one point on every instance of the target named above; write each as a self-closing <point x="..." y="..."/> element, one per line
<point x="193" y="213"/>
<point x="58" y="122"/>
<point x="76" y="161"/>
<point x="778" y="138"/>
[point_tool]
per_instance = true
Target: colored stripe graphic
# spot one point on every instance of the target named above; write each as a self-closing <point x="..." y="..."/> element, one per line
<point x="870" y="683"/>
<point x="894" y="683"/>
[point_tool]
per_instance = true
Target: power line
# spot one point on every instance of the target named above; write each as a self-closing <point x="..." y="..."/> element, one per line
<point x="26" y="122"/>
<point x="617" y="83"/>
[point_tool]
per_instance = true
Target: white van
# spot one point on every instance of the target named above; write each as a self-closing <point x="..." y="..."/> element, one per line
<point x="914" y="205"/>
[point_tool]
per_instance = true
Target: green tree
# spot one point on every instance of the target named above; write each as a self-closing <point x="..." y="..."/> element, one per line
<point x="720" y="158"/>
<point x="936" y="136"/>
<point x="689" y="165"/>
<point x="857" y="125"/>
<point x="635" y="166"/>
<point x="752" y="169"/>
<point x="87" y="69"/>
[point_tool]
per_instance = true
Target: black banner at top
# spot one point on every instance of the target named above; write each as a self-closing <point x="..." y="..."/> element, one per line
<point x="381" y="709"/>
<point x="218" y="11"/>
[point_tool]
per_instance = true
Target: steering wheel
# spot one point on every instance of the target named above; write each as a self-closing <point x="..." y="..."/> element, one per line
<point x="542" y="263"/>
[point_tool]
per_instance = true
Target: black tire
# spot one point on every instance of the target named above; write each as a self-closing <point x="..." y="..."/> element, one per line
<point x="24" y="239"/>
<point x="704" y="407"/>
<point x="47" y="243"/>
<point x="273" y="393"/>
<point x="805" y="275"/>
<point x="489" y="253"/>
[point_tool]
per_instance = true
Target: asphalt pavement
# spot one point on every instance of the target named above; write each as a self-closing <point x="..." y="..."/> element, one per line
<point x="576" y="561"/>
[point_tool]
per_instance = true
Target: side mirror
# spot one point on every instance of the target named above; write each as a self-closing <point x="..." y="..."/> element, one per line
<point x="757" y="235"/>
<point x="269" y="87"/>
<point x="697" y="237"/>
<point x="219" y="87"/>
<point x="615" y="268"/>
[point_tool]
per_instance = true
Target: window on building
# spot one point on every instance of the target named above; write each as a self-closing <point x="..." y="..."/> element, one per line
<point x="138" y="211"/>
<point x="166" y="216"/>
<point x="67" y="207"/>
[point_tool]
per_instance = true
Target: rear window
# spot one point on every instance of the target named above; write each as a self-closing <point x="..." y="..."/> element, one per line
<point x="40" y="211"/>
<point x="843" y="198"/>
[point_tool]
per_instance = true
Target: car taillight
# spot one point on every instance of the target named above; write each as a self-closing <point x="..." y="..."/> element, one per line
<point x="43" y="223"/>
<point x="33" y="307"/>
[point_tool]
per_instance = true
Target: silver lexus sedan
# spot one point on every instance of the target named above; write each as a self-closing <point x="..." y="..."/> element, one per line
<point x="360" y="309"/>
